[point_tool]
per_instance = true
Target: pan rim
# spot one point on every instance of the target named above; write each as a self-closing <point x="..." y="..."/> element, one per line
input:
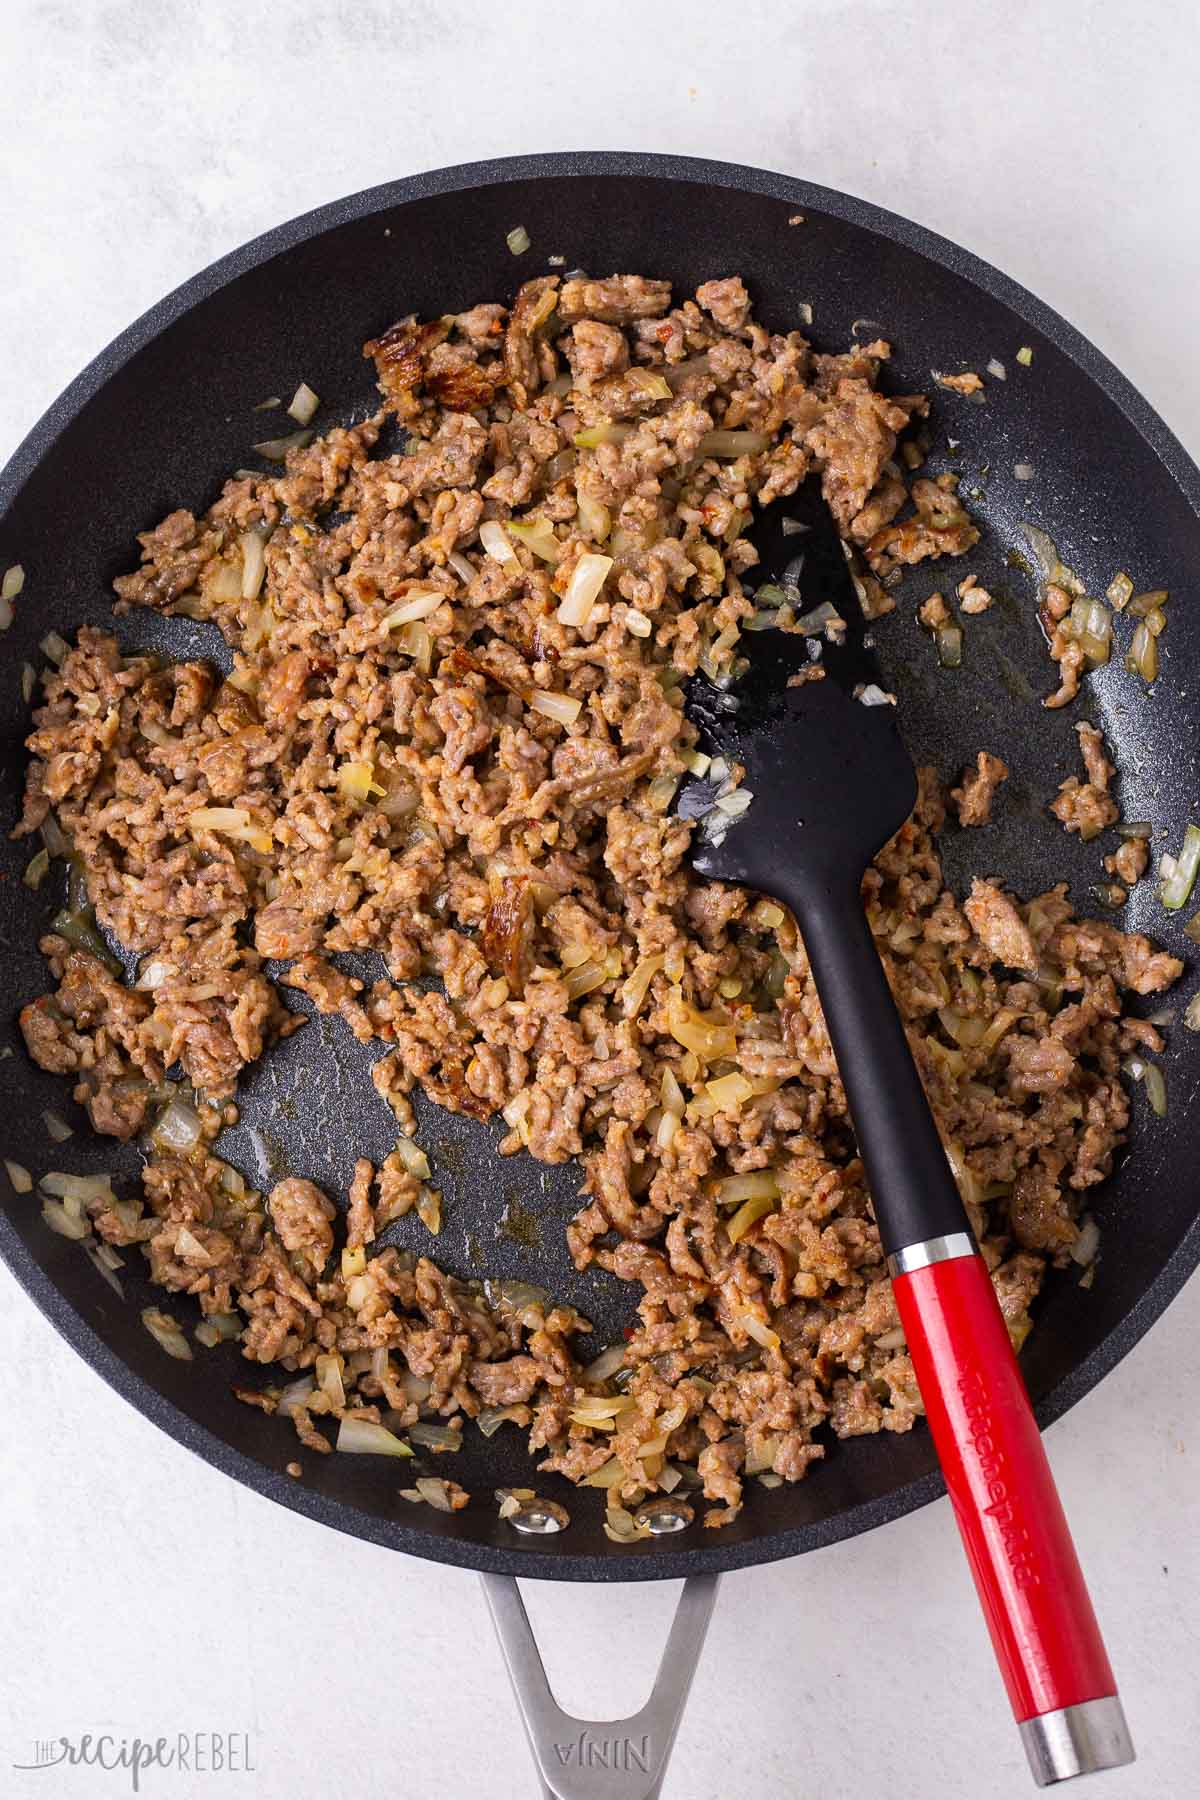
<point x="662" y="1562"/>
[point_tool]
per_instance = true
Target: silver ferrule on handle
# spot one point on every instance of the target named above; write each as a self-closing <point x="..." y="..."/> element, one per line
<point x="931" y="1250"/>
<point x="1077" y="1740"/>
<point x="588" y="1759"/>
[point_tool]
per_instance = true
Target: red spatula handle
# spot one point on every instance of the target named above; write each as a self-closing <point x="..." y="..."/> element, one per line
<point x="1037" y="1607"/>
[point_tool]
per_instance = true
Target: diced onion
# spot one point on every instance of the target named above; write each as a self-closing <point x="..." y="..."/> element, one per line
<point x="637" y="622"/>
<point x="707" y="1037"/>
<point x="462" y="568"/>
<point x="761" y="1332"/>
<point x="1024" y="471"/>
<point x="633" y="991"/>
<point x="667" y="1129"/>
<point x="734" y="443"/>
<point x="151" y="975"/>
<point x="276" y="449"/>
<point x="177" y="1127"/>
<point x="54" y="646"/>
<point x="19" y="1176"/>
<point x="810" y="623"/>
<point x="1119" y="591"/>
<point x="58" y="1128"/>
<point x="304" y="405"/>
<point x="416" y="640"/>
<point x="996" y="367"/>
<point x="949" y="640"/>
<point x="1142" y="657"/>
<point x="1025" y="356"/>
<point x="414" y="1159"/>
<point x="747" y="1215"/>
<point x="672" y="1094"/>
<point x="363" y="1437"/>
<point x="594" y="518"/>
<point x="1191" y="1012"/>
<point x="562" y="707"/>
<point x="435" y="1437"/>
<point x="13" y="582"/>
<point x="81" y="1189"/>
<point x="328" y="1371"/>
<point x="606" y="1364"/>
<point x="1084" y="1249"/>
<point x="662" y="791"/>
<point x="1155" y="1085"/>
<point x="762" y="1456"/>
<point x="491" y="1418"/>
<point x="1143" y="605"/>
<point x="224" y="585"/>
<point x="166" y="1331"/>
<point x="496" y="542"/>
<point x="254" y="563"/>
<point x="587" y="579"/>
<point x="37" y="869"/>
<point x="417" y="605"/>
<point x="608" y="433"/>
<point x="609" y="1475"/>
<point x="435" y="1492"/>
<point x="296" y="1393"/>
<point x="66" y="1223"/>
<point x="1044" y="548"/>
<point x="1177" y="888"/>
<point x="730" y="1092"/>
<point x="755" y="1184"/>
<point x="596" y="1411"/>
<point x="585" y="979"/>
<point x="735" y="804"/>
<point x="232" y="821"/>
<point x="517" y="240"/>
<point x="536" y="535"/>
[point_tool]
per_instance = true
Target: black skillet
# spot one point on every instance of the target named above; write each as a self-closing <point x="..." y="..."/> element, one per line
<point x="163" y="414"/>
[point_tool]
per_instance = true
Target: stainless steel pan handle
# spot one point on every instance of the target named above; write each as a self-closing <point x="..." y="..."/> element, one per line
<point x="613" y="1759"/>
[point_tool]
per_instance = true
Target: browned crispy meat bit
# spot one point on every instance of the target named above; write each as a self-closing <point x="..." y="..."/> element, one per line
<point x="1087" y="807"/>
<point x="972" y="800"/>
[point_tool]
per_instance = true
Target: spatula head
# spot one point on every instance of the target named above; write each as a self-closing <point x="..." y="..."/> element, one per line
<point x="829" y="776"/>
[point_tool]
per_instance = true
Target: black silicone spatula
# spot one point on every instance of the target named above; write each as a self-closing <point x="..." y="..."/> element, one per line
<point x="831" y="781"/>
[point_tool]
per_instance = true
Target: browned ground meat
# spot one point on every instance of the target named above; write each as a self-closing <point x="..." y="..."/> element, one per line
<point x="997" y="920"/>
<point x="1054" y="613"/>
<point x="967" y="383"/>
<point x="972" y="800"/>
<point x="939" y="526"/>
<point x="478" y="793"/>
<point x="1129" y="863"/>
<point x="973" y="598"/>
<point x="1087" y="806"/>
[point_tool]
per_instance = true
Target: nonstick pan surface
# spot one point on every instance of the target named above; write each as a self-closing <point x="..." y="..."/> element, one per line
<point x="165" y="413"/>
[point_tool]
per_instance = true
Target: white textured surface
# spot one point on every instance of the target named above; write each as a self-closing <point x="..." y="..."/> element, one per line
<point x="144" y="1592"/>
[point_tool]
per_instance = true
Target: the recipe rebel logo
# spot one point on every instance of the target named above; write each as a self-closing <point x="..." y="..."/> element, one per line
<point x="218" y="1753"/>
